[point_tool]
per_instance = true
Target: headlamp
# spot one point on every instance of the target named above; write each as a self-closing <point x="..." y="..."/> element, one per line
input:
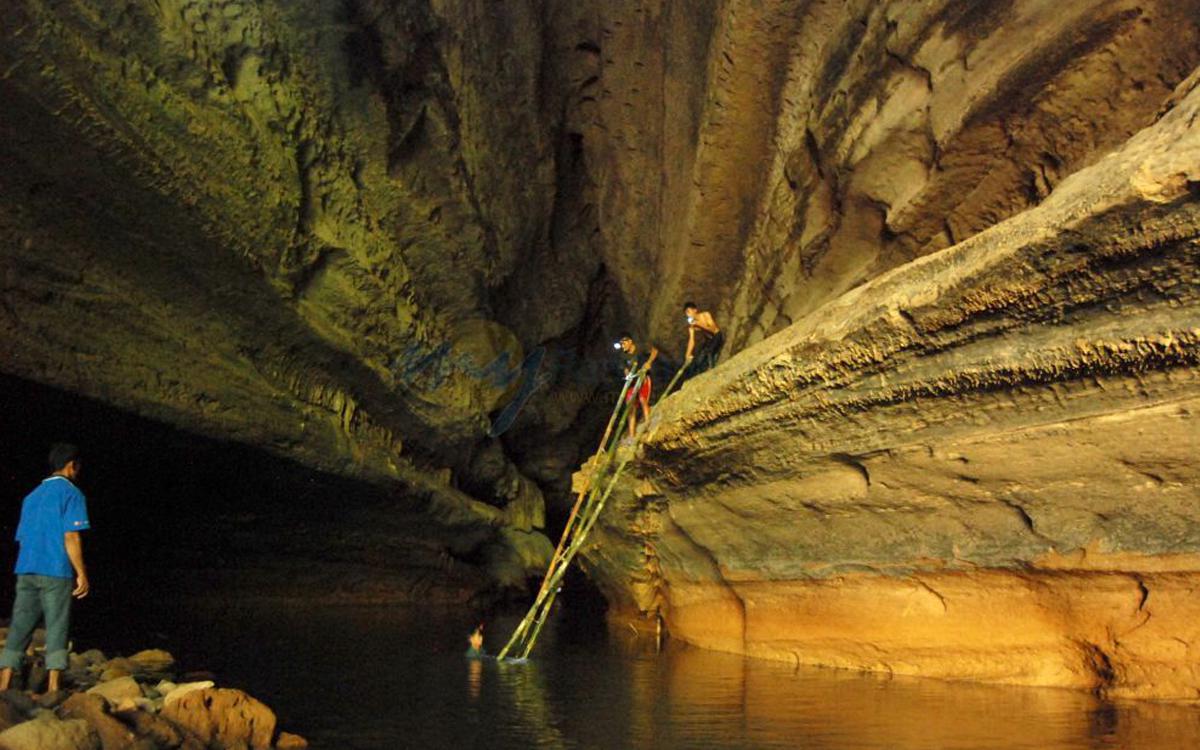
<point x="617" y="345"/>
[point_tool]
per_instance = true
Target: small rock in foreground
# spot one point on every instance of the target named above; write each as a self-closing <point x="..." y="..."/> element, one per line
<point x="134" y="703"/>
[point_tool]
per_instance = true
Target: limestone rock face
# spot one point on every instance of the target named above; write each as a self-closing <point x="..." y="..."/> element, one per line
<point x="952" y="243"/>
<point x="978" y="465"/>
<point x="278" y="223"/>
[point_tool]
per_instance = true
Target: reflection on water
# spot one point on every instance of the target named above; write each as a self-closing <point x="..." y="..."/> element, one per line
<point x="369" y="679"/>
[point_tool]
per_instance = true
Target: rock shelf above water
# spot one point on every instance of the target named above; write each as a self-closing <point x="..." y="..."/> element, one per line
<point x="980" y="465"/>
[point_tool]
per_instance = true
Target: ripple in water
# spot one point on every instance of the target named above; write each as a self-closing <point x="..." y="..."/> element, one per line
<point x="384" y="678"/>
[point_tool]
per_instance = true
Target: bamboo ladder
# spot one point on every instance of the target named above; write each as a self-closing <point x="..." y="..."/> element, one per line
<point x="584" y="513"/>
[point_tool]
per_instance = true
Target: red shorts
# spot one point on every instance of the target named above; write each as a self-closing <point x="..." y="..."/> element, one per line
<point x="644" y="396"/>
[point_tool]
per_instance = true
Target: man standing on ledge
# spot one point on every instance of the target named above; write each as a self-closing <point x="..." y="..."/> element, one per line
<point x="635" y="364"/>
<point x="704" y="339"/>
<point x="49" y="566"/>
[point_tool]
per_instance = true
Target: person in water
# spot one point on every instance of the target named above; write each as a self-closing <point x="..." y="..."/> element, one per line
<point x="705" y="339"/>
<point x="475" y="643"/>
<point x="635" y="363"/>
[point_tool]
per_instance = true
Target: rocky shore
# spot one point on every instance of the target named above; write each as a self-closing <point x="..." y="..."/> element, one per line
<point x="140" y="702"/>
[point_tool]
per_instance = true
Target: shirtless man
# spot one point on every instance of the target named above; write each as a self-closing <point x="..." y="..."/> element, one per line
<point x="704" y="339"/>
<point x="634" y="364"/>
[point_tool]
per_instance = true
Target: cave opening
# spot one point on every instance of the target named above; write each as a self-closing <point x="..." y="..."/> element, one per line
<point x="178" y="515"/>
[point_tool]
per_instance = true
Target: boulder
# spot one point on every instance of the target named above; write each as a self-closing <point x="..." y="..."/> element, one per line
<point x="116" y="668"/>
<point x="92" y="657"/>
<point x="114" y="691"/>
<point x="160" y="731"/>
<point x="152" y="661"/>
<point x="10" y="715"/>
<point x="175" y="692"/>
<point x="289" y="741"/>
<point x="19" y="700"/>
<point x="135" y="704"/>
<point x="51" y="699"/>
<point x="48" y="732"/>
<point x="225" y="717"/>
<point x="93" y="709"/>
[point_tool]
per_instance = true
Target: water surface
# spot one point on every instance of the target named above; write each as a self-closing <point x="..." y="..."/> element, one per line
<point x="352" y="678"/>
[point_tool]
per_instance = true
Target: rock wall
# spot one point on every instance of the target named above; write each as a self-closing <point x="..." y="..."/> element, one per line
<point x="979" y="465"/>
<point x="335" y="229"/>
<point x="279" y="224"/>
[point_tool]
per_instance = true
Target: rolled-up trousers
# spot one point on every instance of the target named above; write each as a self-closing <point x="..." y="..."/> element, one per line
<point x="39" y="597"/>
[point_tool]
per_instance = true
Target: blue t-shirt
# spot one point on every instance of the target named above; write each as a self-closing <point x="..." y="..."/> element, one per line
<point x="55" y="507"/>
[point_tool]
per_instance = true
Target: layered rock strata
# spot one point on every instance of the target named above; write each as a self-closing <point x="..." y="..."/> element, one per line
<point x="979" y="465"/>
<point x="221" y="215"/>
<point x="335" y="229"/>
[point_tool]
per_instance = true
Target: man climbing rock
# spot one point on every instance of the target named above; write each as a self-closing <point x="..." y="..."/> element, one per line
<point x="705" y="339"/>
<point x="637" y="362"/>
<point x="50" y="567"/>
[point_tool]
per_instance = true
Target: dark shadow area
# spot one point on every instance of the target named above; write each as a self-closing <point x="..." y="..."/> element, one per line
<point x="176" y="514"/>
<point x="581" y="610"/>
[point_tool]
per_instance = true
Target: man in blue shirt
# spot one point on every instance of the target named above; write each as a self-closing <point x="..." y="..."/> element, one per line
<point x="50" y="566"/>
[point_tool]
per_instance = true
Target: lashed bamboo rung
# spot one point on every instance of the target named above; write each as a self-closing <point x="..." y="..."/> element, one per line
<point x="589" y="503"/>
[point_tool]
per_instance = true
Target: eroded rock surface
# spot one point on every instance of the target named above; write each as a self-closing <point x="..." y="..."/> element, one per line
<point x="978" y="465"/>
<point x="954" y="244"/>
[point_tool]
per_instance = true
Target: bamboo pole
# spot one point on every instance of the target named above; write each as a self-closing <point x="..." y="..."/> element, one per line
<point x="578" y="532"/>
<point x="621" y="409"/>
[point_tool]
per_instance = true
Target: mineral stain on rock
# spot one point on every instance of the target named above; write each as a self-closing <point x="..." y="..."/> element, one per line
<point x="953" y="246"/>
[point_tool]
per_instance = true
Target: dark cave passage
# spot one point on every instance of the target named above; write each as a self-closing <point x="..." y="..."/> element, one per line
<point x="176" y="514"/>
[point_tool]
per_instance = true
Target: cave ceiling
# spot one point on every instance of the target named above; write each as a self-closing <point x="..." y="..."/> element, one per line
<point x="335" y="229"/>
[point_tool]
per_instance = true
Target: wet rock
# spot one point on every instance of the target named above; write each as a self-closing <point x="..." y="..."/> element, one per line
<point x="48" y="732"/>
<point x="153" y="664"/>
<point x="224" y="716"/>
<point x="52" y="700"/>
<point x="10" y="715"/>
<point x="92" y="657"/>
<point x="289" y="741"/>
<point x="153" y="661"/>
<point x="171" y="692"/>
<point x="150" y="726"/>
<point x="80" y="673"/>
<point x="119" y="667"/>
<point x="113" y="734"/>
<point x="19" y="700"/>
<point x="136" y="704"/>
<point x="114" y="691"/>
